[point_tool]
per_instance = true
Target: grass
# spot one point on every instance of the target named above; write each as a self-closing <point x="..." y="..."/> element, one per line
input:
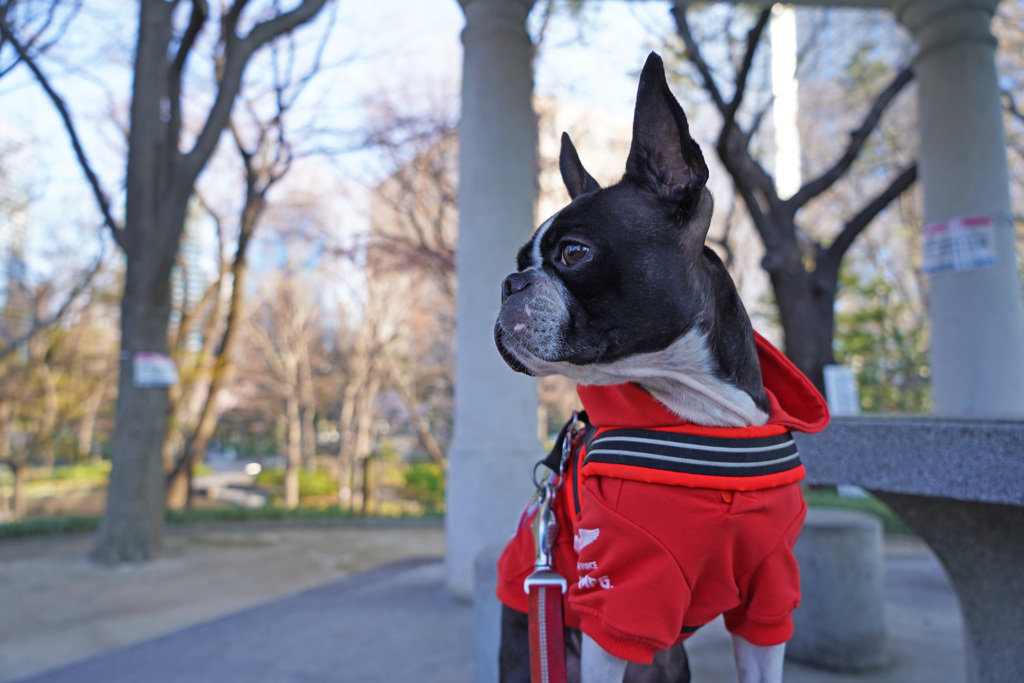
<point x="41" y="482"/>
<point x="89" y="472"/>
<point x="79" y="524"/>
<point x="48" y="525"/>
<point x="825" y="497"/>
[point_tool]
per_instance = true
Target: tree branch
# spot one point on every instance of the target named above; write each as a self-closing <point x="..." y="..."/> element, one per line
<point x="34" y="44"/>
<point x="40" y="325"/>
<point x="200" y="12"/>
<point x="236" y="56"/>
<point x="748" y="175"/>
<point x="856" y="225"/>
<point x="69" y="126"/>
<point x="696" y="58"/>
<point x="815" y="187"/>
<point x="753" y="38"/>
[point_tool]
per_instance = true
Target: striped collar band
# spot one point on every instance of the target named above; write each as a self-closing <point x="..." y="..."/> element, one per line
<point x="694" y="454"/>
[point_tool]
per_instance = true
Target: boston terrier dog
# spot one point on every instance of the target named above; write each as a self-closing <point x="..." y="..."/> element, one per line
<point x="618" y="292"/>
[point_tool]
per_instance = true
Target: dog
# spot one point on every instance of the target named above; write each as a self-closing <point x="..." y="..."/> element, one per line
<point x="618" y="292"/>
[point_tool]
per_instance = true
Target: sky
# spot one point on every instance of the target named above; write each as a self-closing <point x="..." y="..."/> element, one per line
<point x="408" y="49"/>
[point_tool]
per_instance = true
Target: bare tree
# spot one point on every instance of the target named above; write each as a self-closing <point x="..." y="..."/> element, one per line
<point x="132" y="524"/>
<point x="411" y="263"/>
<point x="163" y="164"/>
<point x="804" y="272"/>
<point x="283" y="332"/>
<point x="267" y="153"/>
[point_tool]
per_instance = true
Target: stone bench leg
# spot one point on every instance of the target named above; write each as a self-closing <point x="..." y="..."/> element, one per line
<point x="486" y="616"/>
<point x="981" y="549"/>
<point x="840" y="624"/>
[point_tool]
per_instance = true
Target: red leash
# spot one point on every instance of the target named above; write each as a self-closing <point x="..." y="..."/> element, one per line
<point x="547" y="644"/>
<point x="545" y="586"/>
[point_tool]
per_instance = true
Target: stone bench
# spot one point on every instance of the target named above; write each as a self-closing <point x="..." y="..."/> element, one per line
<point x="960" y="484"/>
<point x="840" y="624"/>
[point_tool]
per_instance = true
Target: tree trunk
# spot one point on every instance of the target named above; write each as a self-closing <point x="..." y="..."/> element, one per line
<point x="807" y="317"/>
<point x="5" y="500"/>
<point x="293" y="462"/>
<point x="369" y="486"/>
<point x="45" y="439"/>
<point x="156" y="200"/>
<point x="132" y="525"/>
<point x="346" y="447"/>
<point x="433" y="448"/>
<point x="177" y="491"/>
<point x="195" y="448"/>
<point x="309" y="439"/>
<point x="5" y="415"/>
<point x="308" y="395"/>
<point x="158" y="183"/>
<point x="193" y="451"/>
<point x="5" y="457"/>
<point x="18" y="494"/>
<point x="87" y="427"/>
<point x="365" y="434"/>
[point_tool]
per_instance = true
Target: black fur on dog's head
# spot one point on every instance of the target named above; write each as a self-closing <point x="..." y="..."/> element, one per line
<point x="618" y="286"/>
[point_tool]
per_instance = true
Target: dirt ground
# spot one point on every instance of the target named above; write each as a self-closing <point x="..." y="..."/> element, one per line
<point x="57" y="607"/>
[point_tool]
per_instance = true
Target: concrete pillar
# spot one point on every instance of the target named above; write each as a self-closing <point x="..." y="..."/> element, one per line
<point x="495" y="441"/>
<point x="977" y="332"/>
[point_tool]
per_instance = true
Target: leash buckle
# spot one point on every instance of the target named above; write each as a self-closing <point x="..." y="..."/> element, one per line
<point x="543" y="578"/>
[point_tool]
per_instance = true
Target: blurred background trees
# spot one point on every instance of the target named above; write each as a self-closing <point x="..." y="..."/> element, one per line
<point x="307" y="300"/>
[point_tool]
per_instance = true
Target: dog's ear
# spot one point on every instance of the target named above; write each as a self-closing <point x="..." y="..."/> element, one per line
<point x="577" y="180"/>
<point x="662" y="155"/>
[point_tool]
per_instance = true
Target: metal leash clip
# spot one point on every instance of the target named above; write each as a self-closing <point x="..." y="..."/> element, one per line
<point x="545" y="522"/>
<point x="545" y="530"/>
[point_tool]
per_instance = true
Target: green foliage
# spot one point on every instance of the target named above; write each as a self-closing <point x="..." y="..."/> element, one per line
<point x="318" y="483"/>
<point x="390" y="467"/>
<point x="201" y="469"/>
<point x="880" y="337"/>
<point x="425" y="483"/>
<point x="83" y="472"/>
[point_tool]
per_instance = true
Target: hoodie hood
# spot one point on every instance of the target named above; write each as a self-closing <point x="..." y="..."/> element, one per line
<point x="794" y="403"/>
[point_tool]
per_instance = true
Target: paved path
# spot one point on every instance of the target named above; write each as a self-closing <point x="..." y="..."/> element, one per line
<point x="396" y="623"/>
<point x="362" y="628"/>
<point x="57" y="607"/>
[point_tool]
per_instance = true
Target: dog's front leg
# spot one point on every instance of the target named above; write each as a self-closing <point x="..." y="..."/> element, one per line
<point x="598" y="666"/>
<point x="756" y="663"/>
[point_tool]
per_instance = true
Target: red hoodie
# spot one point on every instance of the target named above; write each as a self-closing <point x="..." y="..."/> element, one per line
<point x="651" y="553"/>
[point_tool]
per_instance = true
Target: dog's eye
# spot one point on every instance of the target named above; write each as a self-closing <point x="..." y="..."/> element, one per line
<point x="573" y="253"/>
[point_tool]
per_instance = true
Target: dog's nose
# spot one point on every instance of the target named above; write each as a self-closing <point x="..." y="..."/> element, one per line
<point x="516" y="282"/>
